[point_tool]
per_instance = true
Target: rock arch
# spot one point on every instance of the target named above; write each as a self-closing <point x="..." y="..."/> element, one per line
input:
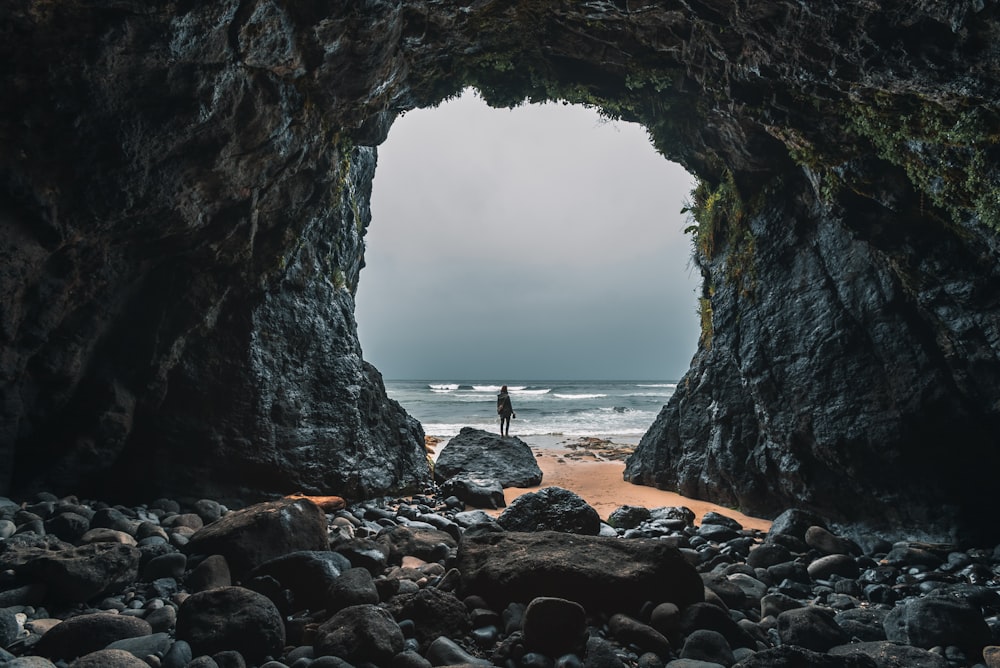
<point x="185" y="196"/>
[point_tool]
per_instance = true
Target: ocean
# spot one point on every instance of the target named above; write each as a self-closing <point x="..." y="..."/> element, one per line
<point x="620" y="411"/>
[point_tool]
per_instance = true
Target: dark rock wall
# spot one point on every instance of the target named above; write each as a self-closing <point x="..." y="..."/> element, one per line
<point x="849" y="381"/>
<point x="186" y="191"/>
<point x="182" y="238"/>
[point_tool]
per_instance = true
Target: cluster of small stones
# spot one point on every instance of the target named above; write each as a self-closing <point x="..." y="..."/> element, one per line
<point x="386" y="593"/>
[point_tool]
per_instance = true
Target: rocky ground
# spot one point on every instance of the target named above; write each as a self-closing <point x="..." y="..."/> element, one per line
<point x="589" y="448"/>
<point x="412" y="583"/>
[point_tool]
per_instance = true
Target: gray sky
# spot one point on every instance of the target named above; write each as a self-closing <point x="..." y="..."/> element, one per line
<point x="541" y="242"/>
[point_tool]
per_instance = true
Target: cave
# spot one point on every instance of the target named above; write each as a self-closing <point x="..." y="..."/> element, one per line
<point x="185" y="191"/>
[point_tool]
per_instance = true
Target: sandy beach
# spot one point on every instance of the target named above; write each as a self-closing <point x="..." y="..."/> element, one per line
<point x="592" y="468"/>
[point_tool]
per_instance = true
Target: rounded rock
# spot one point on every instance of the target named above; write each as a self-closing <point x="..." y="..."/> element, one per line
<point x="170" y="565"/>
<point x="231" y="618"/>
<point x="211" y="573"/>
<point x="554" y="626"/>
<point x="551" y="508"/>
<point x="810" y="627"/>
<point x="628" y="517"/>
<point x="707" y="645"/>
<point x="445" y="652"/>
<point x="833" y="564"/>
<point x="83" y="634"/>
<point x="358" y="634"/>
<point x="933" y="621"/>
<point x="631" y="631"/>
<point x="67" y="526"/>
<point x="109" y="658"/>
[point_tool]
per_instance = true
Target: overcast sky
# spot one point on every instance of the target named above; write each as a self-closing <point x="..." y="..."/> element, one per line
<point x="539" y="243"/>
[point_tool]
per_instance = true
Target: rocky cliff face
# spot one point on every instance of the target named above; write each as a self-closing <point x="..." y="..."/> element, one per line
<point x="182" y="237"/>
<point x="185" y="197"/>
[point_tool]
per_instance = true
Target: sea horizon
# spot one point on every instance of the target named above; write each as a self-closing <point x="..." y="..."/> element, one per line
<point x="617" y="410"/>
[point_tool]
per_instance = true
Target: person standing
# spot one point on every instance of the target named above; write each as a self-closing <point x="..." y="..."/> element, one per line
<point x="505" y="411"/>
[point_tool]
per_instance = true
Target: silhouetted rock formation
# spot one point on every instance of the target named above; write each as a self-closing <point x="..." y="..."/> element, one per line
<point x="185" y="193"/>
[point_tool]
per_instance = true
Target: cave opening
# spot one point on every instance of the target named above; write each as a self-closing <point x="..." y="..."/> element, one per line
<point x="540" y="242"/>
<point x="211" y="192"/>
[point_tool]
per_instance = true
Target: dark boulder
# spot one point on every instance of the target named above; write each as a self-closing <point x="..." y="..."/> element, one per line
<point x="158" y="644"/>
<point x="890" y="655"/>
<point x="933" y="621"/>
<point x="74" y="573"/>
<point x="309" y="575"/>
<point x="360" y="634"/>
<point x="551" y="509"/>
<point x="768" y="554"/>
<point x="88" y="633"/>
<point x="252" y="536"/>
<point x="446" y="652"/>
<point x="794" y="522"/>
<point x="435" y="612"/>
<point x="475" y="490"/>
<point x="707" y="645"/>
<point x="110" y="658"/>
<point x="364" y="552"/>
<point x="864" y="624"/>
<point x="597" y="572"/>
<point x="68" y="526"/>
<point x="483" y="454"/>
<point x="630" y="631"/>
<point x="790" y="656"/>
<point x="833" y="564"/>
<point x="714" y="618"/>
<point x="231" y="618"/>
<point x="811" y="627"/>
<point x="628" y="517"/>
<point x="427" y="544"/>
<point x="212" y="572"/>
<point x="554" y="626"/>
<point x="355" y="586"/>
<point x="9" y="627"/>
<point x="821" y="539"/>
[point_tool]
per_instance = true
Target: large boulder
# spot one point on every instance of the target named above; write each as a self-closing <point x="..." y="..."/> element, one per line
<point x="88" y="633"/>
<point x="252" y="536"/>
<point x="435" y="613"/>
<point x="933" y="621"/>
<point x="403" y="541"/>
<point x="886" y="653"/>
<point x="308" y="575"/>
<point x="790" y="656"/>
<point x="811" y="627"/>
<point x="231" y="618"/>
<point x="487" y="455"/>
<point x="553" y="509"/>
<point x="73" y="574"/>
<point x="554" y="626"/>
<point x="360" y="634"/>
<point x="607" y="574"/>
<point x="475" y="490"/>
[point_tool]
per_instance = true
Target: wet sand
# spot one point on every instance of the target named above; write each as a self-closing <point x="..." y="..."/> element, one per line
<point x="592" y="468"/>
<point x="600" y="484"/>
